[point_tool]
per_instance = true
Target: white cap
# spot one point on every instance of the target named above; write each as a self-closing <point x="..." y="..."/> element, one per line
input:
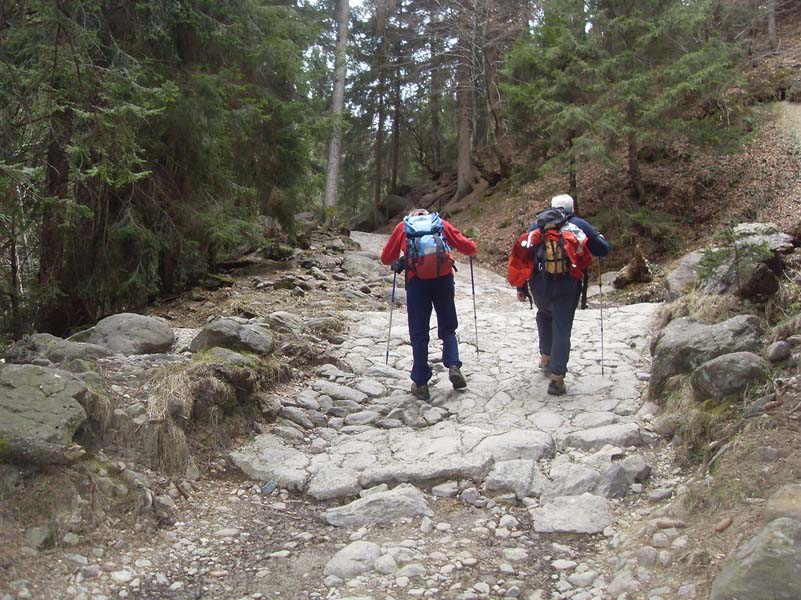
<point x="563" y="201"/>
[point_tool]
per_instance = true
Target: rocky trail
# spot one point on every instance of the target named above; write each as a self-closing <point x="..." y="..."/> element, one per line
<point x="360" y="491"/>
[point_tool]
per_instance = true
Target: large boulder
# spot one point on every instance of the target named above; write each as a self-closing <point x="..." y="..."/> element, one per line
<point x="727" y="375"/>
<point x="40" y="411"/>
<point x="686" y="343"/>
<point x="129" y="333"/>
<point x="684" y="275"/>
<point x="66" y="351"/>
<point x="361" y="264"/>
<point x="231" y="334"/>
<point x="766" y="567"/>
<point x="786" y="502"/>
<point x="31" y="347"/>
<point x="750" y="270"/>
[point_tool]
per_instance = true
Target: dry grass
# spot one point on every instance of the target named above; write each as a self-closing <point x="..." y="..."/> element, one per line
<point x="199" y="406"/>
<point x="99" y="409"/>
<point x="176" y="393"/>
<point x="709" y="309"/>
<point x="785" y="306"/>
<point x="698" y="423"/>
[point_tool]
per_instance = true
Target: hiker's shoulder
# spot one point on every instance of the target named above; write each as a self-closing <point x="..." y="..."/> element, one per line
<point x="581" y="223"/>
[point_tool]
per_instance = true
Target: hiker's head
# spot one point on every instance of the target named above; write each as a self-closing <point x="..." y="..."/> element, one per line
<point x="564" y="201"/>
<point x="417" y="212"/>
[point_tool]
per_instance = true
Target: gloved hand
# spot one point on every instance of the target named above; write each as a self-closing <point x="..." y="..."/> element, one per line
<point x="398" y="265"/>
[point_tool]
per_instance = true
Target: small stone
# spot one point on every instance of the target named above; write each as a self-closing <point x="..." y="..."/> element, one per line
<point x="122" y="577"/>
<point x="386" y="565"/>
<point x="76" y="559"/>
<point x="482" y="588"/>
<point x="426" y="524"/>
<point x="509" y="522"/>
<point x="515" y="554"/>
<point x="561" y="564"/>
<point x="39" y="537"/>
<point x="660" y="494"/>
<point x="778" y="351"/>
<point x="412" y="570"/>
<point x="449" y="489"/>
<point x="226" y="533"/>
<point x="91" y="571"/>
<point x="280" y="554"/>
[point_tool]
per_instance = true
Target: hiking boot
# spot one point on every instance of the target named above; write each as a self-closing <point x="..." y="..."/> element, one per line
<point x="456" y="377"/>
<point x="557" y="386"/>
<point x="421" y="392"/>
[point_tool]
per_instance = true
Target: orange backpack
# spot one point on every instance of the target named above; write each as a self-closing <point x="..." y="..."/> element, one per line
<point x="556" y="247"/>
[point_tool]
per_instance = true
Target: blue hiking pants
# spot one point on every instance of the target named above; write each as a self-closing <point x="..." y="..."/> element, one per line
<point x="556" y="299"/>
<point x="421" y="296"/>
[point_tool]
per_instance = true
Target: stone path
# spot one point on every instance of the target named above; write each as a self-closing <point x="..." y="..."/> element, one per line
<point x="496" y="431"/>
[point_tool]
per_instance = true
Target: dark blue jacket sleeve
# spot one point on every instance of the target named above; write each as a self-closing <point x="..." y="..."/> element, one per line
<point x="598" y="245"/>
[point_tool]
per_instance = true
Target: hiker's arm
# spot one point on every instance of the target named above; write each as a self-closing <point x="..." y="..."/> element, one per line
<point x="458" y="241"/>
<point x="394" y="245"/>
<point x="595" y="241"/>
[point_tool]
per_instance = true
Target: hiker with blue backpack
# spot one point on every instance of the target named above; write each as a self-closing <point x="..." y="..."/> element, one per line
<point x="427" y="242"/>
<point x="548" y="264"/>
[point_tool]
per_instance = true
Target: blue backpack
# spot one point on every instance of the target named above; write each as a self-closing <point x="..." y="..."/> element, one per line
<point x="428" y="255"/>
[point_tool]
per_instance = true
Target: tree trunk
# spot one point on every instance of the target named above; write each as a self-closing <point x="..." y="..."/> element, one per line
<point x="14" y="287"/>
<point x="335" y="147"/>
<point x="394" y="158"/>
<point x="378" y="147"/>
<point x="52" y="312"/>
<point x="493" y="100"/>
<point x="465" y="173"/>
<point x="572" y="184"/>
<point x="437" y="81"/>
<point x="773" y="40"/>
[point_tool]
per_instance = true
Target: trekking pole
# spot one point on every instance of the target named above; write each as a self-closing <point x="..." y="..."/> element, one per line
<point x="473" y="285"/>
<point x="601" y="296"/>
<point x="391" y="310"/>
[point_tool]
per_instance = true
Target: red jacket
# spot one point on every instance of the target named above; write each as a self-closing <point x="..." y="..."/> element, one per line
<point x="397" y="243"/>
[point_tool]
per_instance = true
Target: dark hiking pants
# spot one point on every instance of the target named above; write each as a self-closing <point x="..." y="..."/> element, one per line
<point x="421" y="296"/>
<point x="556" y="299"/>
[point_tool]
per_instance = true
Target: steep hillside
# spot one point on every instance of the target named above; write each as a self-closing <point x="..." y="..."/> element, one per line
<point x="691" y="192"/>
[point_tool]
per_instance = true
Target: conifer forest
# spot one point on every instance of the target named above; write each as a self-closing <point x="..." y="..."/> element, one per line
<point x="143" y="141"/>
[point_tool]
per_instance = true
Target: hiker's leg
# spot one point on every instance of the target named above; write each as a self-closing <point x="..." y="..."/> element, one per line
<point x="418" y="309"/>
<point x="544" y="316"/>
<point x="564" y="309"/>
<point x="447" y="322"/>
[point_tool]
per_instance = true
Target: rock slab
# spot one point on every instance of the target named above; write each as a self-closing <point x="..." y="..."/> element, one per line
<point x="402" y="502"/>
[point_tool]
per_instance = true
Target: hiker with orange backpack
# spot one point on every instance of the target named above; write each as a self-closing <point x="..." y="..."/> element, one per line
<point x="426" y="241"/>
<point x="547" y="263"/>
